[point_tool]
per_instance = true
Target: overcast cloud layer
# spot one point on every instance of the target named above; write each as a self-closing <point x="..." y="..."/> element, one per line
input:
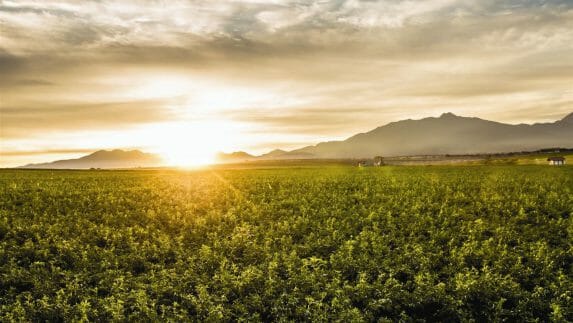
<point x="283" y="73"/>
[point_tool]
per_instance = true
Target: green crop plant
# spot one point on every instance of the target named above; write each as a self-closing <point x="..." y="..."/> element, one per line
<point x="439" y="243"/>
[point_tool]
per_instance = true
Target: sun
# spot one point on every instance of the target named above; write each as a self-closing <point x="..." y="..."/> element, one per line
<point x="191" y="144"/>
<point x="182" y="158"/>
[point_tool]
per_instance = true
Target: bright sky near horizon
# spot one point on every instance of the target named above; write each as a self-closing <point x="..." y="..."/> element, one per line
<point x="187" y="78"/>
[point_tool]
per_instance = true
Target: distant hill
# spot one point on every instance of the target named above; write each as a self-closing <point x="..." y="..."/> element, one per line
<point x="282" y="154"/>
<point x="447" y="134"/>
<point x="274" y="154"/>
<point x="234" y="157"/>
<point x="105" y="159"/>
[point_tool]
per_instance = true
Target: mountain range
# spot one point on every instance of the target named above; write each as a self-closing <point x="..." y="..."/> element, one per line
<point x="116" y="158"/>
<point x="446" y="134"/>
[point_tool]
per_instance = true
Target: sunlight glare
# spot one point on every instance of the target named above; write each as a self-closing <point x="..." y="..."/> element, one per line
<point x="191" y="144"/>
<point x="162" y="87"/>
<point x="188" y="145"/>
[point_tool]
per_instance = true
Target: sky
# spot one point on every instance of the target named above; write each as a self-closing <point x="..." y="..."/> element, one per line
<point x="186" y="78"/>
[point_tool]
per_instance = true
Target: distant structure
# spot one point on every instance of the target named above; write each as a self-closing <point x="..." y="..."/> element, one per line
<point x="556" y="161"/>
<point x="378" y="161"/>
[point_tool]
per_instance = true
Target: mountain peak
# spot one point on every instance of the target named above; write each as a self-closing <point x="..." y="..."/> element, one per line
<point x="568" y="118"/>
<point x="234" y="156"/>
<point x="275" y="152"/>
<point x="115" y="153"/>
<point x="448" y="115"/>
<point x="447" y="134"/>
<point x="116" y="158"/>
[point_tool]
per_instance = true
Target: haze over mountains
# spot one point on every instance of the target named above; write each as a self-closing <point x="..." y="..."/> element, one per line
<point x="105" y="159"/>
<point x="447" y="134"/>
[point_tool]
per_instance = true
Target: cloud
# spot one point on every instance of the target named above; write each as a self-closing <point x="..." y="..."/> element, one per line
<point x="48" y="118"/>
<point x="5" y="82"/>
<point x="304" y="120"/>
<point x="342" y="66"/>
<point x="47" y="152"/>
<point x="9" y="63"/>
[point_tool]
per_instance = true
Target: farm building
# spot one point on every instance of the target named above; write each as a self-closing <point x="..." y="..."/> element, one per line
<point x="556" y="161"/>
<point x="378" y="161"/>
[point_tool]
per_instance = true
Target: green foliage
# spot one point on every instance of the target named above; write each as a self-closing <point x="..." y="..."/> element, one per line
<point x="308" y="244"/>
